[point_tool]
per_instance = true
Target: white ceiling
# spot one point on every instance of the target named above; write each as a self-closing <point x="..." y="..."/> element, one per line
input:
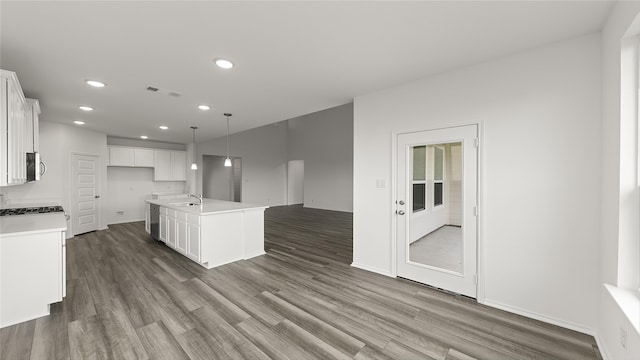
<point x="292" y="58"/>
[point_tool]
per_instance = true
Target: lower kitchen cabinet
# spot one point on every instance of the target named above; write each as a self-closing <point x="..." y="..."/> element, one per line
<point x="181" y="233"/>
<point x="164" y="224"/>
<point x="193" y="240"/>
<point x="171" y="233"/>
<point x="32" y="275"/>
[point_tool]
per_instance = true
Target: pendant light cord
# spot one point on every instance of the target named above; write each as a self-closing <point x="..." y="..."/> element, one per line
<point x="227" y="115"/>
<point x="227" y="136"/>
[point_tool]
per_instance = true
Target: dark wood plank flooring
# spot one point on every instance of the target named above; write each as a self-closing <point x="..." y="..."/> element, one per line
<point x="129" y="297"/>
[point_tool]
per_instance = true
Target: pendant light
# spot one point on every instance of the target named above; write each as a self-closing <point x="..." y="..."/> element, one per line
<point x="194" y="166"/>
<point x="227" y="161"/>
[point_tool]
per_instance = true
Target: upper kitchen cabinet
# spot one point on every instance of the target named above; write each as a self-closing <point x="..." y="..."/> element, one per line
<point x="32" y="125"/>
<point x="14" y="131"/>
<point x="170" y="165"/>
<point x="128" y="156"/>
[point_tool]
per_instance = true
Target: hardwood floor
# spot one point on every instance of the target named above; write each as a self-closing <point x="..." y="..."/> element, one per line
<point x="129" y="297"/>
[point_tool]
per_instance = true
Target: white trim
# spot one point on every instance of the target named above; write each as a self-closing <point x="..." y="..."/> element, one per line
<point x="372" y="269"/>
<point x="393" y="251"/>
<point x="601" y="346"/>
<point x="540" y="317"/>
<point x="480" y="269"/>
<point x="479" y="276"/>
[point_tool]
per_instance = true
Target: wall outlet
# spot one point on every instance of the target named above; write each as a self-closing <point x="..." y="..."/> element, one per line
<point x="120" y="213"/>
<point x="623" y="337"/>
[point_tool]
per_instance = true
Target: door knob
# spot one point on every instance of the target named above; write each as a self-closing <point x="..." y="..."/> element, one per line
<point x="400" y="212"/>
<point x="97" y="196"/>
<point x="401" y="202"/>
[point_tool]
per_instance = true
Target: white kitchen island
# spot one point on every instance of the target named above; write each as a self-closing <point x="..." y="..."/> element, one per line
<point x="213" y="233"/>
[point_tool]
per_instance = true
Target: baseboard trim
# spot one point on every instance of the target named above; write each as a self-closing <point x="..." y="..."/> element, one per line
<point x="543" y="318"/>
<point x="249" y="256"/>
<point x="372" y="269"/>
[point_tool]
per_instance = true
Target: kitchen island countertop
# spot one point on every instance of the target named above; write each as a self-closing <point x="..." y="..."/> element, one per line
<point x="208" y="206"/>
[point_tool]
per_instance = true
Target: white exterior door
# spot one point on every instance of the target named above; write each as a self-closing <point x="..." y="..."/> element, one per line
<point x="436" y="208"/>
<point x="85" y="196"/>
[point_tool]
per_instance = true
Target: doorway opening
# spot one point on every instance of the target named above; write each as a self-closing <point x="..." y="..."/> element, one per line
<point x="295" y="182"/>
<point x="221" y="182"/>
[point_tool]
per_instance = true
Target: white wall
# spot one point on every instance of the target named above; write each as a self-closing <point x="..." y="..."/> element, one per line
<point x="324" y="140"/>
<point x="614" y="210"/>
<point x="540" y="174"/>
<point x="264" y="161"/>
<point x="57" y="142"/>
<point x="128" y="188"/>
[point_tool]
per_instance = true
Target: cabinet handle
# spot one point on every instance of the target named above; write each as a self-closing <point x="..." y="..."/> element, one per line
<point x="97" y="196"/>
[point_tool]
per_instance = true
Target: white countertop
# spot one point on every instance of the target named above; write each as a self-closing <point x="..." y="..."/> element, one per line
<point x="32" y="224"/>
<point x="208" y="206"/>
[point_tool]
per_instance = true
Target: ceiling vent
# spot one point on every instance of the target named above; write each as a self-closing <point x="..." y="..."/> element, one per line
<point x="153" y="89"/>
<point x="174" y="94"/>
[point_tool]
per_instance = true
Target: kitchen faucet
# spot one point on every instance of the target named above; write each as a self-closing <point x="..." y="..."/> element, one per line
<point x="197" y="196"/>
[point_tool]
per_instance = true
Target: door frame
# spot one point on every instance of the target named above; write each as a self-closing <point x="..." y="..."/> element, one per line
<point x="480" y="291"/>
<point x="99" y="188"/>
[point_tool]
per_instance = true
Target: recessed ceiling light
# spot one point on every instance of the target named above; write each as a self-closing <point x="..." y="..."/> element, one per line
<point x="164" y="127"/>
<point x="144" y="137"/>
<point x="204" y="107"/>
<point x="223" y="63"/>
<point x="78" y="122"/>
<point x="95" y="83"/>
<point x="85" y="108"/>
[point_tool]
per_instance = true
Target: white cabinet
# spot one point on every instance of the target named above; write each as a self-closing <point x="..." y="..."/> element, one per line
<point x="32" y="125"/>
<point x="193" y="238"/>
<point x="13" y="130"/>
<point x="32" y="275"/>
<point x="18" y="129"/>
<point x="171" y="233"/>
<point x="143" y="157"/>
<point x="164" y="224"/>
<point x="119" y="156"/>
<point x="181" y="232"/>
<point x="170" y="165"/>
<point x="133" y="157"/>
<point x="179" y="165"/>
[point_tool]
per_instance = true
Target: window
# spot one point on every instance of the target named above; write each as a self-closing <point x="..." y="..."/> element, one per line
<point x="438" y="176"/>
<point x="419" y="177"/>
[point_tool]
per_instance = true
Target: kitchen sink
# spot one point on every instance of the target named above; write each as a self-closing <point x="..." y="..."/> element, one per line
<point x="185" y="203"/>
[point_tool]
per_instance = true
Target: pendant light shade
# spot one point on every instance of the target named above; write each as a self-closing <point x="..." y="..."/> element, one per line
<point x="227" y="161"/>
<point x="194" y="166"/>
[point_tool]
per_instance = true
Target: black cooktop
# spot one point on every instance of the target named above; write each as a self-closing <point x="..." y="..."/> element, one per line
<point x="31" y="210"/>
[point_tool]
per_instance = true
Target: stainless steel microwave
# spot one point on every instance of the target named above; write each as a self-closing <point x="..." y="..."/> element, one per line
<point x="35" y="167"/>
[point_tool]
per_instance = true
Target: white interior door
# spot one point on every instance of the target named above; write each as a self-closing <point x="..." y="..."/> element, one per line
<point x="85" y="197"/>
<point x="436" y="209"/>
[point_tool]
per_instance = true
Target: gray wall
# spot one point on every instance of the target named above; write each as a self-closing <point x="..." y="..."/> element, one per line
<point x="264" y="162"/>
<point x="324" y="140"/>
